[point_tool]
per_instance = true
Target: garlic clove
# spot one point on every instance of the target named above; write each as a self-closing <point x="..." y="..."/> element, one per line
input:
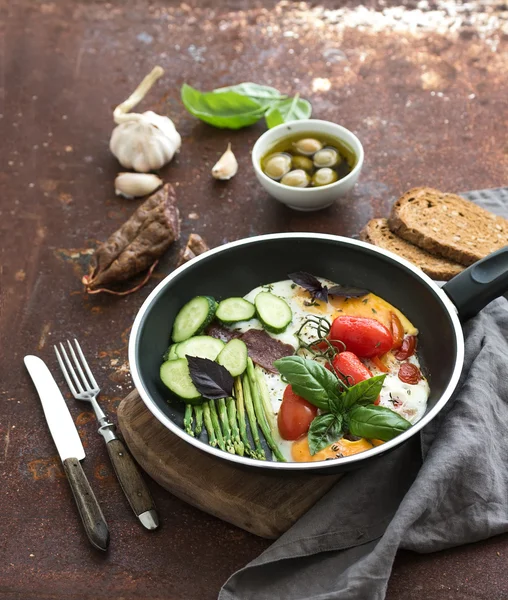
<point x="135" y="185"/>
<point x="227" y="165"/>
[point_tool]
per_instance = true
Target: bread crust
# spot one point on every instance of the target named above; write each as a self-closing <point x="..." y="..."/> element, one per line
<point x="378" y="233"/>
<point x="447" y="225"/>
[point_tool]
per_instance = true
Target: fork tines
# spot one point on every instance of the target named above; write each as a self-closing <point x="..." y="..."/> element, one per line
<point x="78" y="385"/>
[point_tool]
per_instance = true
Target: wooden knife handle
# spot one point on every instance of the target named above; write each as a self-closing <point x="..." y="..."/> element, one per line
<point x="133" y="485"/>
<point x="91" y="514"/>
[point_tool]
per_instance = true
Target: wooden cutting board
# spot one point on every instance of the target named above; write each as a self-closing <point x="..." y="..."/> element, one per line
<point x="265" y="504"/>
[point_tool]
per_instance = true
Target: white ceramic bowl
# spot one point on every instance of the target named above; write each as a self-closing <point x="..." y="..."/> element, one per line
<point x="311" y="198"/>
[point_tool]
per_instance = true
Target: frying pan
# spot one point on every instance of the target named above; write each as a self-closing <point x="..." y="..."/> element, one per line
<point x="236" y="268"/>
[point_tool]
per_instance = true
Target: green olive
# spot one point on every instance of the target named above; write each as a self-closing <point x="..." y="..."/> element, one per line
<point x="277" y="165"/>
<point x="296" y="178"/>
<point x="327" y="157"/>
<point x="307" y="146"/>
<point x="324" y="176"/>
<point x="302" y="162"/>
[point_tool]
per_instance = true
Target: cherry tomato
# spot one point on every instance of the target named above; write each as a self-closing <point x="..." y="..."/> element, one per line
<point x="407" y="349"/>
<point x="363" y="336"/>
<point x="295" y="415"/>
<point x="349" y="364"/>
<point x="409" y="373"/>
<point x="350" y="368"/>
<point x="397" y="331"/>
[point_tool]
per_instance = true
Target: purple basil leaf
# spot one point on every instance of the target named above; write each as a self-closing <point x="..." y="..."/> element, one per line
<point x="311" y="284"/>
<point x="347" y="292"/>
<point x="213" y="381"/>
<point x="322" y="294"/>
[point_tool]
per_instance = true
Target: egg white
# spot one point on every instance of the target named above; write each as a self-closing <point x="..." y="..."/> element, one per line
<point x="292" y="294"/>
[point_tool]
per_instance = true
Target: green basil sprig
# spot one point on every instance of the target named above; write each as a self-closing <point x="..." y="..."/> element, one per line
<point x="364" y="392"/>
<point x="292" y="109"/>
<point x="324" y="430"/>
<point x="376" y="422"/>
<point x="222" y="109"/>
<point x="342" y="411"/>
<point x="244" y="104"/>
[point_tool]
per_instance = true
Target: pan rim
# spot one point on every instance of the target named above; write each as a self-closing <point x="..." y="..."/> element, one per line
<point x="447" y="304"/>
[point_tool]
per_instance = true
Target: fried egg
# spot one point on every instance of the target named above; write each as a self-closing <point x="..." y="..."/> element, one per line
<point x="408" y="400"/>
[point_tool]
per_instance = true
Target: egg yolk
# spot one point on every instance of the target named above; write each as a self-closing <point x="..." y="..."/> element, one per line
<point x="301" y="453"/>
<point x="370" y="306"/>
<point x="373" y="307"/>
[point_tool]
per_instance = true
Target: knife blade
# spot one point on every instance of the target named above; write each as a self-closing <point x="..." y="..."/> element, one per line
<point x="64" y="432"/>
<point x="70" y="449"/>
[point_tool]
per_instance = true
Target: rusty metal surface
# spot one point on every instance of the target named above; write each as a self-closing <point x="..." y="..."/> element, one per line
<point x="424" y="87"/>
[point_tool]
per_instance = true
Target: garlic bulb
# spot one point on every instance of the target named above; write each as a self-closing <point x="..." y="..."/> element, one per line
<point x="143" y="142"/>
<point x="135" y="185"/>
<point x="226" y="167"/>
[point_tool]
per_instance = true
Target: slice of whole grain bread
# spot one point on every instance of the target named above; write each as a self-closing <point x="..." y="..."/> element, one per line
<point x="378" y="233"/>
<point x="447" y="225"/>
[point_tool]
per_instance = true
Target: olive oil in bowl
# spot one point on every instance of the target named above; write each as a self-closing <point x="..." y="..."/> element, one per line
<point x="308" y="159"/>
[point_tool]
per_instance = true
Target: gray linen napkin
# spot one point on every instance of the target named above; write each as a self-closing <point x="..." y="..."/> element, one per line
<point x="449" y="487"/>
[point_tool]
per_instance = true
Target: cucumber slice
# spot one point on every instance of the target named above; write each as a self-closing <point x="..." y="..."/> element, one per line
<point x="203" y="346"/>
<point x="234" y="357"/>
<point x="175" y="375"/>
<point x="273" y="312"/>
<point x="233" y="310"/>
<point x="193" y="318"/>
<point x="170" y="353"/>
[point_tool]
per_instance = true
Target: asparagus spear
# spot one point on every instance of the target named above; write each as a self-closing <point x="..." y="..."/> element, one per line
<point x="198" y="410"/>
<point x="187" y="420"/>
<point x="260" y="411"/>
<point x="212" y="440"/>
<point x="265" y="398"/>
<point x="226" y="431"/>
<point x="240" y="406"/>
<point x="259" y="453"/>
<point x="233" y="423"/>
<point x="216" y="426"/>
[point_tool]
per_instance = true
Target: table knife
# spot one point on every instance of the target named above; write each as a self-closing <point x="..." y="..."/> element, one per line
<point x="70" y="449"/>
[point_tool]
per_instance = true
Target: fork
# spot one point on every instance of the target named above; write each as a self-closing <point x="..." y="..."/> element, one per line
<point x="86" y="388"/>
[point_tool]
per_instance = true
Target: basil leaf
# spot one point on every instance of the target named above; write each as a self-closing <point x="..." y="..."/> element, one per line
<point x="292" y="109"/>
<point x="310" y="283"/>
<point x="347" y="292"/>
<point x="212" y="380"/>
<point x="324" y="430"/>
<point x="263" y="94"/>
<point x="227" y="110"/>
<point x="309" y="379"/>
<point x="376" y="422"/>
<point x="365" y="392"/>
<point x="336" y="405"/>
<point x="320" y="291"/>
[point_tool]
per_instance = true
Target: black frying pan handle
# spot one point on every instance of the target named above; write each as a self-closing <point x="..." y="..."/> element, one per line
<point x="479" y="284"/>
